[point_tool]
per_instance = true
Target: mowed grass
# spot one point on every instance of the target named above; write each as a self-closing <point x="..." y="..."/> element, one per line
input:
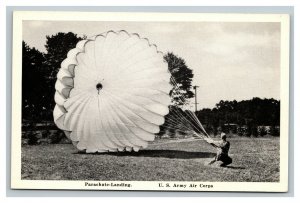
<point x="254" y="160"/>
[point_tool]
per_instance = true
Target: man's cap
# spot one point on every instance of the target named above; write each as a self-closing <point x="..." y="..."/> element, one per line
<point x="223" y="135"/>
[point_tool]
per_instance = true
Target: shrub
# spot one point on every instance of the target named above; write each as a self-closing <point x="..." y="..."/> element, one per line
<point x="274" y="131"/>
<point x="240" y="131"/>
<point x="56" y="136"/>
<point x="33" y="138"/>
<point x="262" y="131"/>
<point x="234" y="130"/>
<point x="248" y="131"/>
<point x="254" y="131"/>
<point x="45" y="133"/>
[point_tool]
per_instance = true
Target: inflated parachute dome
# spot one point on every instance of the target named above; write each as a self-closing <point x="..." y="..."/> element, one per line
<point x="112" y="93"/>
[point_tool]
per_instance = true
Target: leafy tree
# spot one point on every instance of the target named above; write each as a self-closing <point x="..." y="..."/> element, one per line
<point x="39" y="75"/>
<point x="57" y="47"/>
<point x="181" y="79"/>
<point x="33" y="83"/>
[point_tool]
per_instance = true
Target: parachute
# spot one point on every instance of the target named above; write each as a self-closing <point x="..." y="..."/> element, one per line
<point x="112" y="93"/>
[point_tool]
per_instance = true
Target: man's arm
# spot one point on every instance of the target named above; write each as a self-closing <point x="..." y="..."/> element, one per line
<point x="212" y="142"/>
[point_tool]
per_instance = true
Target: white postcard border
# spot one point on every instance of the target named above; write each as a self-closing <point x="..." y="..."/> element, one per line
<point x="18" y="183"/>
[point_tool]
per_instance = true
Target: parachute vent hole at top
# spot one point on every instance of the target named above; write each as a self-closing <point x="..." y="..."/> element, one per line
<point x="99" y="86"/>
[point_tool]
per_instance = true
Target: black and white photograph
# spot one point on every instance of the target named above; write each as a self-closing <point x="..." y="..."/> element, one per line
<point x="150" y="101"/>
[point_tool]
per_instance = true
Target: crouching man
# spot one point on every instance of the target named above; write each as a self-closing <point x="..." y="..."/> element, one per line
<point x="222" y="150"/>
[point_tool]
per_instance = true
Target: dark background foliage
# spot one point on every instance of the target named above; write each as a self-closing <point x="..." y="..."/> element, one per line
<point x="39" y="75"/>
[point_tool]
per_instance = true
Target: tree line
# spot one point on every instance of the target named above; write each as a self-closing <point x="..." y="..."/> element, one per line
<point x="256" y="117"/>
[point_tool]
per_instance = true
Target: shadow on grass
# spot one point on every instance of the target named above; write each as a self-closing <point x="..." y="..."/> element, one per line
<point x="172" y="154"/>
<point x="234" y="167"/>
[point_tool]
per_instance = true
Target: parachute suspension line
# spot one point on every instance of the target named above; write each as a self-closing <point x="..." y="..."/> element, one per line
<point x="182" y="101"/>
<point x="173" y="122"/>
<point x="180" y="116"/>
<point x="191" y="124"/>
<point x="183" y="118"/>
<point x="200" y="125"/>
<point x="181" y="98"/>
<point x="189" y="114"/>
<point x="181" y="129"/>
<point x="197" y="120"/>
<point x="178" y="113"/>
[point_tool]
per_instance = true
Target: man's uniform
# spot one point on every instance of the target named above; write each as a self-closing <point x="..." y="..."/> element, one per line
<point x="222" y="152"/>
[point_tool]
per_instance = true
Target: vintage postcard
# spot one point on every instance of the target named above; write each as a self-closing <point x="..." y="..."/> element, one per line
<point x="150" y="101"/>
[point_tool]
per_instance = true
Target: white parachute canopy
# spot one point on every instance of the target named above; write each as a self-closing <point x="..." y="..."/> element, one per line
<point x="112" y="93"/>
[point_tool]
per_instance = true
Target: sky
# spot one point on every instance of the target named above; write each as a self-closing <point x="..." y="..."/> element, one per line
<point x="230" y="60"/>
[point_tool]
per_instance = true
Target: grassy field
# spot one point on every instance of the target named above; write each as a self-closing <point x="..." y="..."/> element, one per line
<point x="254" y="160"/>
